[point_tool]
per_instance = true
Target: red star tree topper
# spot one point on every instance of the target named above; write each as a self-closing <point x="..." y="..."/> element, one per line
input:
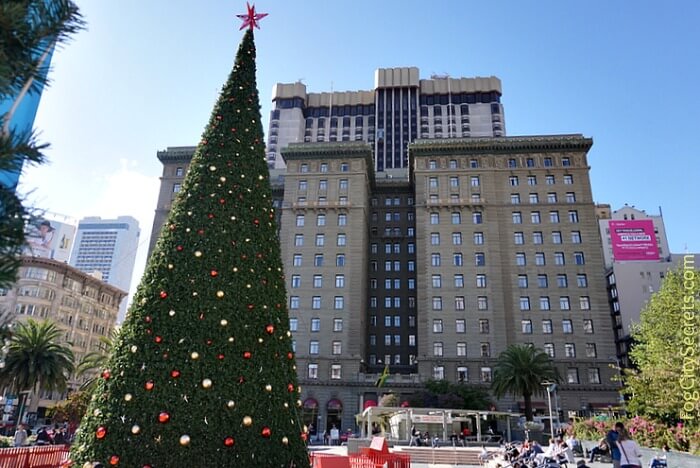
<point x="251" y="18"/>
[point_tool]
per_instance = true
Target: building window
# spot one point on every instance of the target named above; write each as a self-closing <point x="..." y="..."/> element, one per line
<point x="435" y="259"/>
<point x="549" y="349"/>
<point x="296" y="281"/>
<point x="177" y="188"/>
<point x="316" y="302"/>
<point x="588" y="326"/>
<point x="554" y="217"/>
<point x="564" y="303"/>
<point x="581" y="281"/>
<point x="343" y="184"/>
<point x="340" y="260"/>
<point x="437" y="349"/>
<point x="517" y="217"/>
<point x="522" y="281"/>
<point x="460" y="326"/>
<point x="482" y="303"/>
<point x="484" y="326"/>
<point x="567" y="326"/>
<point x="320" y="240"/>
<point x="531" y="180"/>
<point x="342" y="219"/>
<point x="434" y="218"/>
<point x="456" y="218"/>
<point x="485" y="349"/>
<point x="591" y="350"/>
<point x="454" y="182"/>
<point x="456" y="238"/>
<point x="594" y="375"/>
<point x="474" y="181"/>
<point x="461" y="349"/>
<point x="573" y="216"/>
<point x="432" y="164"/>
<point x="313" y="347"/>
<point x="318" y="260"/>
<point x="562" y="281"/>
<point x="539" y="258"/>
<point x="524" y="303"/>
<point x="336" y="372"/>
<point x="337" y="325"/>
<point x="513" y="181"/>
<point x="535" y="217"/>
<point x="179" y="172"/>
<point x="579" y="258"/>
<point x="433" y="182"/>
<point x="296" y="261"/>
<point x="437" y="281"/>
<point x="549" y="180"/>
<point x="575" y="237"/>
<point x="437" y="303"/>
<point x="542" y="281"/>
<point x="572" y="375"/>
<point x="570" y="197"/>
<point x="477" y="217"/>
<point x="341" y="240"/>
<point x="568" y="180"/>
<point x="547" y="327"/>
<point x="478" y="238"/>
<point x="437" y="326"/>
<point x="486" y="375"/>
<point x="585" y="303"/>
<point x="438" y="372"/>
<point x="551" y="197"/>
<point x="337" y="347"/>
<point x="344" y="167"/>
<point x="300" y="220"/>
<point x="519" y="238"/>
<point x="520" y="259"/>
<point x="457" y="259"/>
<point x="312" y="371"/>
<point x="526" y="326"/>
<point x="515" y="199"/>
<point x="544" y="303"/>
<point x="294" y="302"/>
<point x="559" y="258"/>
<point x="480" y="281"/>
<point x="293" y="324"/>
<point x="534" y="199"/>
<point x="434" y="238"/>
<point x="459" y="303"/>
<point x="459" y="280"/>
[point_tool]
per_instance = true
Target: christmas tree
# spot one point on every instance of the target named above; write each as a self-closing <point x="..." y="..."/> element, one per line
<point x="203" y="373"/>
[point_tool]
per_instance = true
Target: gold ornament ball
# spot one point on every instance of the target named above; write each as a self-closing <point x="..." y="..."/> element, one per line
<point x="285" y="441"/>
<point x="219" y="294"/>
<point x="231" y="339"/>
<point x="171" y="313"/>
<point x="286" y="405"/>
<point x="206" y="383"/>
<point x="170" y="266"/>
<point x="194" y="355"/>
<point x="134" y="348"/>
<point x="230" y="404"/>
<point x="185" y="440"/>
<point x="97" y="412"/>
<point x="268" y="388"/>
<point x="260" y="340"/>
<point x="128" y="397"/>
<point x="223" y="322"/>
<point x="222" y="179"/>
<point x="247" y="421"/>
<point x="135" y="429"/>
<point x="212" y="168"/>
<point x="197" y="253"/>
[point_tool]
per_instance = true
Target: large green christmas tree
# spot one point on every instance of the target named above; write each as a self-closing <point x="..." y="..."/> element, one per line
<point x="203" y="373"/>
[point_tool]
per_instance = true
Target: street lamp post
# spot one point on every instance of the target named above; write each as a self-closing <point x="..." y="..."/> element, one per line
<point x="550" y="387"/>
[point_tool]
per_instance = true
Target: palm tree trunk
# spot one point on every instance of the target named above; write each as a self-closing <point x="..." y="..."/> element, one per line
<point x="528" y="406"/>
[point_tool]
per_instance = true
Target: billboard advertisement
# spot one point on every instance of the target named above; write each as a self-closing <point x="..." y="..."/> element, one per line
<point x="633" y="240"/>
<point x="50" y="238"/>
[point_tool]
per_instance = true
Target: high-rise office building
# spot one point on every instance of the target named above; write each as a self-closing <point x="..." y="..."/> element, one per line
<point x="107" y="246"/>
<point x="401" y="108"/>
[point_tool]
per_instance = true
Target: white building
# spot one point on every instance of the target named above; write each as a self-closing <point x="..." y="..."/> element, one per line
<point x="109" y="247"/>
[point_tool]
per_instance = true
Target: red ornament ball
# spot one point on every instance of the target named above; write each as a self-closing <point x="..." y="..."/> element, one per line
<point x="163" y="294"/>
<point x="304" y="436"/>
<point x="174" y="373"/>
<point x="270" y="329"/>
<point x="220" y="357"/>
<point x="214" y="273"/>
<point x="251" y="306"/>
<point x="266" y="432"/>
<point x="179" y="248"/>
<point x="256" y="221"/>
<point x="163" y="417"/>
<point x="229" y="441"/>
<point x="290" y="388"/>
<point x="158" y="339"/>
<point x="222" y="200"/>
<point x="290" y="355"/>
<point x="247" y="355"/>
<point x="209" y="342"/>
<point x="210" y="216"/>
<point x="148" y="319"/>
<point x="101" y="432"/>
<point x="200" y="232"/>
<point x="149" y="385"/>
<point x="114" y="460"/>
<point x="106" y="374"/>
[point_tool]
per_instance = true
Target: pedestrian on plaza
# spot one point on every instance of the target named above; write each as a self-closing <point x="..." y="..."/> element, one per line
<point x="20" y="436"/>
<point x="611" y="439"/>
<point x="631" y="453"/>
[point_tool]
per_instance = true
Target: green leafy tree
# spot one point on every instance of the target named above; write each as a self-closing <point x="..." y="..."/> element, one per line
<point x="203" y="373"/>
<point x="444" y="394"/>
<point x="36" y="359"/>
<point x="95" y="361"/>
<point x="29" y="31"/>
<point x="666" y="352"/>
<point x="521" y="370"/>
<point x="71" y="410"/>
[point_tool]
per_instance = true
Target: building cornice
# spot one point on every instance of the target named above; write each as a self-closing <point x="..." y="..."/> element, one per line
<point x="68" y="270"/>
<point x="176" y="154"/>
<point x="500" y="145"/>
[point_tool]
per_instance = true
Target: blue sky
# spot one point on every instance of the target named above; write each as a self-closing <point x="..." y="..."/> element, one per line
<point x="146" y="74"/>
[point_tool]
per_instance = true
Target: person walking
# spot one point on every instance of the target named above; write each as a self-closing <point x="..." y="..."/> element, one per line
<point x="611" y="438"/>
<point x="631" y="455"/>
<point x="20" y="436"/>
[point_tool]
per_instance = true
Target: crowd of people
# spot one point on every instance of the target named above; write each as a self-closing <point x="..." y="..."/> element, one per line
<point x="45" y="435"/>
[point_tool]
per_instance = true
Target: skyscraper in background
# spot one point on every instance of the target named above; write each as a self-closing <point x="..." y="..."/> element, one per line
<point x="109" y="247"/>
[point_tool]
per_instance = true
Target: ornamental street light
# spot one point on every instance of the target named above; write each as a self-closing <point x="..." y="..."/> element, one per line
<point x="550" y="387"/>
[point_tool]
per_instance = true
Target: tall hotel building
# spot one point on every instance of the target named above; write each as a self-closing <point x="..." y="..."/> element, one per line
<point x="432" y="256"/>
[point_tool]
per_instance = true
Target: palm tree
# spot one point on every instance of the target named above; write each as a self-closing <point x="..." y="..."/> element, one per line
<point x="36" y="359"/>
<point x="521" y="370"/>
<point x="95" y="361"/>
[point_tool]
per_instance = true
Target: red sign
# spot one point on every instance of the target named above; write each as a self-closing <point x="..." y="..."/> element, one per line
<point x="634" y="240"/>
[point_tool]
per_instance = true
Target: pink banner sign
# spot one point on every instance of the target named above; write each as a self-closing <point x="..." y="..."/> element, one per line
<point x="634" y="240"/>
